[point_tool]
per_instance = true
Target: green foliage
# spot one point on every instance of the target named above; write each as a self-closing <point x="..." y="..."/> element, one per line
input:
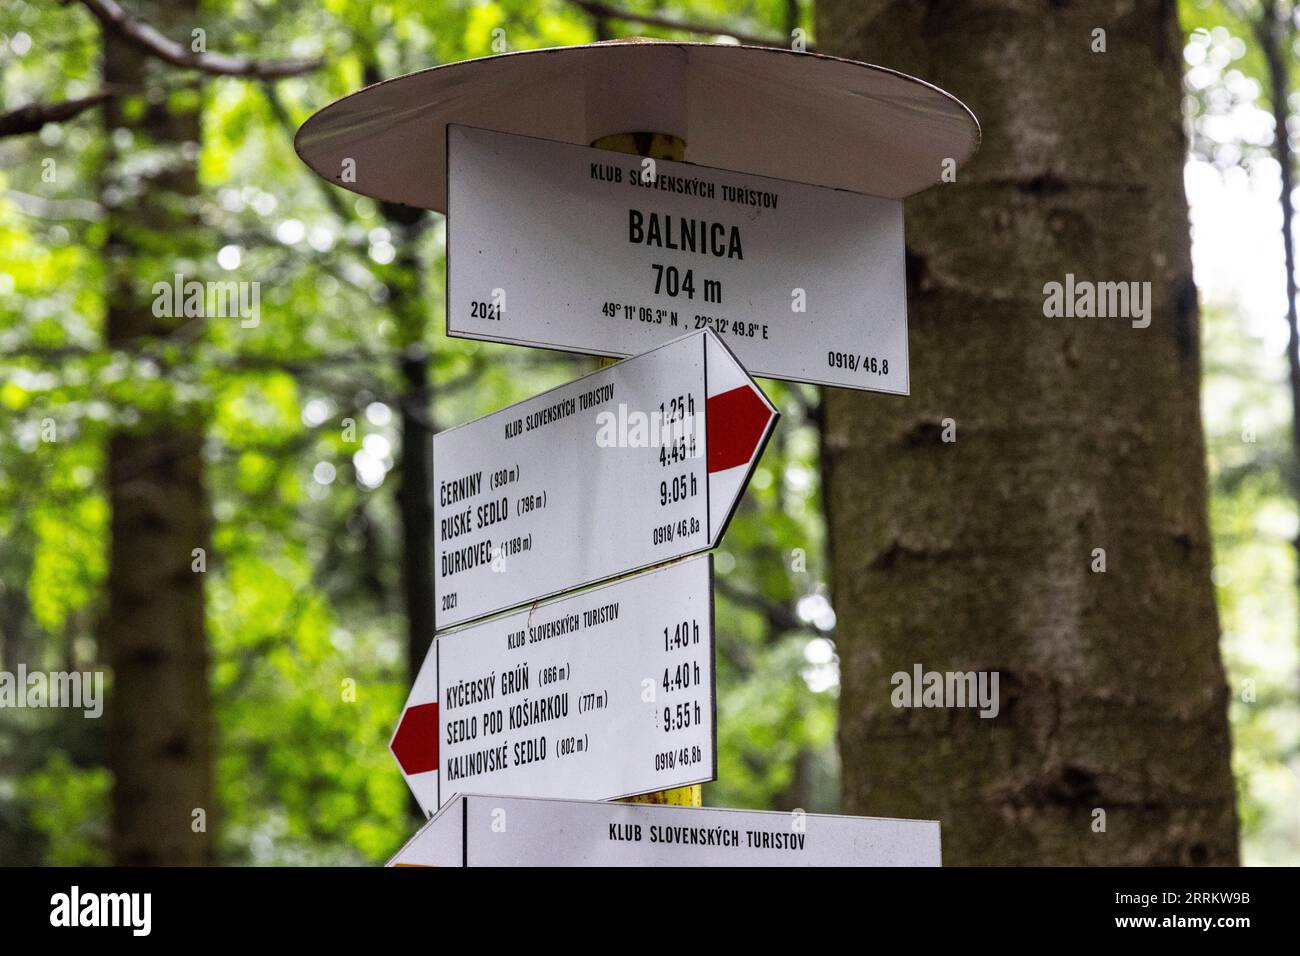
<point x="1254" y="522"/>
<point x="304" y="603"/>
<point x="1251" y="456"/>
<point x="301" y="415"/>
<point x="69" y="806"/>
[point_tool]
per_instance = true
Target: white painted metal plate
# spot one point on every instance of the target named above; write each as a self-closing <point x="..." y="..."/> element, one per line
<point x="772" y="112"/>
<point x="574" y="248"/>
<point x="602" y="694"/>
<point x="519" y="831"/>
<point x="630" y="466"/>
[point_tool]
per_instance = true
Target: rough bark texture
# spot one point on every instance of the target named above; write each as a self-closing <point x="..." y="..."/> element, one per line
<point x="159" y="709"/>
<point x="1072" y="434"/>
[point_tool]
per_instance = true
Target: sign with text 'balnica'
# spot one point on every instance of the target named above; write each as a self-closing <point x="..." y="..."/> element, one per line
<point x="587" y="250"/>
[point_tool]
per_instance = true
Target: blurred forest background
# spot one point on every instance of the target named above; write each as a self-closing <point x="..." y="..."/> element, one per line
<point x="302" y="419"/>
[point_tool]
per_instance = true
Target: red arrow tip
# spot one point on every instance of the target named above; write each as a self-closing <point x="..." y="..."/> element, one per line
<point x="415" y="745"/>
<point x="737" y="420"/>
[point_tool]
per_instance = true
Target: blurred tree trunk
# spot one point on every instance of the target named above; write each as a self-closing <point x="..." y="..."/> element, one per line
<point x="415" y="467"/>
<point x="160" y="711"/>
<point x="1072" y="435"/>
<point x="415" y="498"/>
<point x="405" y="286"/>
<point x="15" y="607"/>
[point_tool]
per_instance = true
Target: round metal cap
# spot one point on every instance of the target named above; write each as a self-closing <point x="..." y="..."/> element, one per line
<point x="771" y="112"/>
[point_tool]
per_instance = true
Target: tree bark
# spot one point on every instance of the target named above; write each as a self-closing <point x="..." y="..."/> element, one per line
<point x="154" y="640"/>
<point x="415" y="500"/>
<point x="1073" y="434"/>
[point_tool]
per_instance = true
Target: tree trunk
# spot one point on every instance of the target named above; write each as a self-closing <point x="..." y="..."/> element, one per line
<point x="1072" y="434"/>
<point x="415" y="467"/>
<point x="160" y="709"/>
<point x="405" y="286"/>
<point x="415" y="500"/>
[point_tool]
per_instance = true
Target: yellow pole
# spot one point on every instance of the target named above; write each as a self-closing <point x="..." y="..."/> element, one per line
<point x="654" y="146"/>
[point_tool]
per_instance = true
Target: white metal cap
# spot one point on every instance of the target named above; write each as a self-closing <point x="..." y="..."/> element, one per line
<point x="771" y="112"/>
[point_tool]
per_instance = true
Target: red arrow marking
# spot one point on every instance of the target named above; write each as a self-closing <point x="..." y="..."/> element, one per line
<point x="415" y="745"/>
<point x="737" y="420"/>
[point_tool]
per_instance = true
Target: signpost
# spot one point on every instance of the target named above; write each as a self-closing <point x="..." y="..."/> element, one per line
<point x="521" y="831"/>
<point x="586" y="250"/>
<point x="628" y="467"/>
<point x="601" y="694"/>
<point x="784" y="244"/>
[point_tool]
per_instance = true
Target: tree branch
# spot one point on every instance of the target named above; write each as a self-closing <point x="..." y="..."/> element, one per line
<point x="779" y="617"/>
<point x="604" y="11"/>
<point x="30" y="118"/>
<point x="147" y="38"/>
<point x="281" y="113"/>
<point x="42" y="207"/>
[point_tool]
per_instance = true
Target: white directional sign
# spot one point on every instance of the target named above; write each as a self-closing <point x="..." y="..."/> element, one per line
<point x="593" y="251"/>
<point x="520" y="831"/>
<point x="602" y="694"/>
<point x="628" y="467"/>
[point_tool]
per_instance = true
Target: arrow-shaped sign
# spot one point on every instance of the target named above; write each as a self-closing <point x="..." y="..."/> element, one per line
<point x="601" y="694"/>
<point x="629" y="467"/>
<point x="522" y="831"/>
